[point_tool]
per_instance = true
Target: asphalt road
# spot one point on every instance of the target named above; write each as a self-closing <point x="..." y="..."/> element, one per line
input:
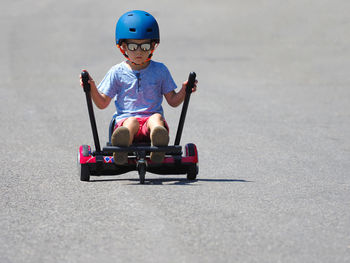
<point x="271" y="119"/>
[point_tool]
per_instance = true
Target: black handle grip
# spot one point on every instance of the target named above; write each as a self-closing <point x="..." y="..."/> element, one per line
<point x="191" y="81"/>
<point x="190" y="84"/>
<point x="85" y="79"/>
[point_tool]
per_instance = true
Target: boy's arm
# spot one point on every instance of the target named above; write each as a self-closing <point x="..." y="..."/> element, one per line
<point x="176" y="98"/>
<point x="101" y="100"/>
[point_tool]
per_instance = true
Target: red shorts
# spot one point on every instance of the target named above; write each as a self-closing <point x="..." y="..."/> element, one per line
<point x="143" y="134"/>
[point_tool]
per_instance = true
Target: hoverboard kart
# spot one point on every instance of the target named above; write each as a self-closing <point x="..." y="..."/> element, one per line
<point x="100" y="162"/>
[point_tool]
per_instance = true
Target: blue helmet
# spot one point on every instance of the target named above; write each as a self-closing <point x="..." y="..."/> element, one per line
<point x="136" y="24"/>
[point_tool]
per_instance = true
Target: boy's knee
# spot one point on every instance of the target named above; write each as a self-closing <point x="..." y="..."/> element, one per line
<point x="157" y="116"/>
<point x="130" y="121"/>
<point x="132" y="124"/>
<point x="155" y="120"/>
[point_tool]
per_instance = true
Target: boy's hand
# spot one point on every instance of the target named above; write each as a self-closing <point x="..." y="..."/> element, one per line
<point x="101" y="100"/>
<point x="185" y="84"/>
<point x="91" y="81"/>
<point x="175" y="99"/>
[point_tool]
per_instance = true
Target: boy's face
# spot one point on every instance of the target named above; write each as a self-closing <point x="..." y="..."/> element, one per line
<point x="138" y="50"/>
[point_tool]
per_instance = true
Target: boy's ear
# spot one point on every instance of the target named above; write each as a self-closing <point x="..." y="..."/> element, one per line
<point x="154" y="44"/>
<point x="123" y="46"/>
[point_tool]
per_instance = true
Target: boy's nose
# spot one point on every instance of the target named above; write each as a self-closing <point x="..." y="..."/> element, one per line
<point x="139" y="51"/>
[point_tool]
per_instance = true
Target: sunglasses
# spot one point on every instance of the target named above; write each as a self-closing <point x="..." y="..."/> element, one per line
<point x="143" y="46"/>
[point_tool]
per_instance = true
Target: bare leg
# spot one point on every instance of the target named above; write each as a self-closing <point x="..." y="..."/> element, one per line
<point x="123" y="137"/>
<point x="159" y="136"/>
<point x="133" y="125"/>
<point x="154" y="121"/>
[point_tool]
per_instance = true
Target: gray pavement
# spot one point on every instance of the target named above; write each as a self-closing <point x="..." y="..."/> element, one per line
<point x="271" y="120"/>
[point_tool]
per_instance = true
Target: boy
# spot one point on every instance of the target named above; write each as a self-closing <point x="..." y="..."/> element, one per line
<point x="138" y="86"/>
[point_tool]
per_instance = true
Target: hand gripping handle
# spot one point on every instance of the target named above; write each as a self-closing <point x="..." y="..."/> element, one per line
<point x="190" y="84"/>
<point x="191" y="81"/>
<point x="85" y="79"/>
<point x="87" y="89"/>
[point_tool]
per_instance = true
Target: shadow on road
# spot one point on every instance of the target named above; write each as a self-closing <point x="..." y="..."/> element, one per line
<point x="171" y="181"/>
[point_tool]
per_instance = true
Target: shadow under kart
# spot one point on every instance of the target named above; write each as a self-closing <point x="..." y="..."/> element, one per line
<point x="101" y="162"/>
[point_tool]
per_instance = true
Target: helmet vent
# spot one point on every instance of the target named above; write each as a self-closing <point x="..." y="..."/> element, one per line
<point x="132" y="29"/>
<point x="149" y="29"/>
<point x="147" y="14"/>
<point x="130" y="14"/>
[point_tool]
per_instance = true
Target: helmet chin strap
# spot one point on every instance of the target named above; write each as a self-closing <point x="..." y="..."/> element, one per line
<point x="127" y="57"/>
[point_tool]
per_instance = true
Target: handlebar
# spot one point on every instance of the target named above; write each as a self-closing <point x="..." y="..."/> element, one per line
<point x="85" y="79"/>
<point x="190" y="83"/>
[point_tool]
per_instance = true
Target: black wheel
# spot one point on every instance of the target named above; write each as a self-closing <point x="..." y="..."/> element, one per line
<point x="142" y="172"/>
<point x="84" y="173"/>
<point x="191" y="150"/>
<point x="192" y="172"/>
<point x="86" y="152"/>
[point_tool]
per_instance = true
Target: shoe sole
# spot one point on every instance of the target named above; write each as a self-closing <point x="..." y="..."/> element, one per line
<point x="159" y="137"/>
<point x="120" y="138"/>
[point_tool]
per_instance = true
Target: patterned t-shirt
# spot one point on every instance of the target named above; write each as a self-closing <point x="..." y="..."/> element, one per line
<point x="137" y="93"/>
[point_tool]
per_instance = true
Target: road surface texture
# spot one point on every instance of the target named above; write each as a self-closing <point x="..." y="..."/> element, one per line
<point x="271" y="119"/>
